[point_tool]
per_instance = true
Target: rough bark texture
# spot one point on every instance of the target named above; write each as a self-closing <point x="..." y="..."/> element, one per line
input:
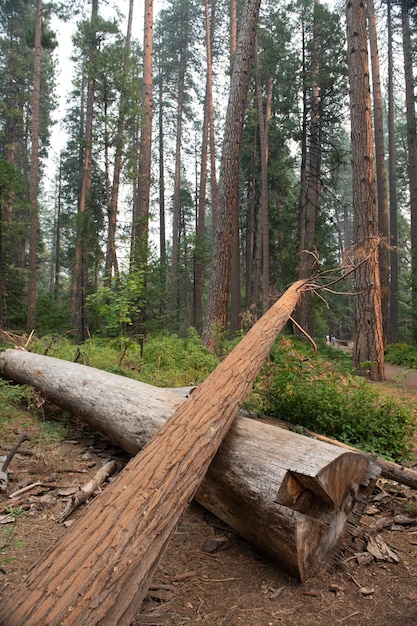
<point x="34" y="172"/>
<point x="412" y="150"/>
<point x="216" y="319"/>
<point x="125" y="531"/>
<point x="381" y="170"/>
<point x="393" y="204"/>
<point x="368" y="352"/>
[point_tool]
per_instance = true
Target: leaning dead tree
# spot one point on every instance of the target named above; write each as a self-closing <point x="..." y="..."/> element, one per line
<point x="100" y="571"/>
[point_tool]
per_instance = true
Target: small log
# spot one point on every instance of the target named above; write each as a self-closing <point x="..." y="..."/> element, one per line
<point x="100" y="570"/>
<point x="88" y="490"/>
<point x="248" y="482"/>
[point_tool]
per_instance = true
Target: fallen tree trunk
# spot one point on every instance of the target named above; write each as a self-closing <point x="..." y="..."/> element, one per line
<point x="265" y="482"/>
<point x="100" y="570"/>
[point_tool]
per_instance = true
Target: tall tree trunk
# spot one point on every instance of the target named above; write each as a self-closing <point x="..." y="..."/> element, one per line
<point x="368" y="353"/>
<point x="34" y="173"/>
<point x="57" y="242"/>
<point x="81" y="262"/>
<point x="111" y="267"/>
<point x="393" y="206"/>
<point x="250" y="234"/>
<point x="162" y="235"/>
<point x="235" y="304"/>
<point x="176" y="199"/>
<point x="263" y="120"/>
<point x="201" y="216"/>
<point x="216" y="319"/>
<point x="145" y="149"/>
<point x="381" y="171"/>
<point x="312" y="191"/>
<point x="412" y="154"/>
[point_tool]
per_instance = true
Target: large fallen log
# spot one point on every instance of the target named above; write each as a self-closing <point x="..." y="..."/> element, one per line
<point x="100" y="570"/>
<point x="287" y="495"/>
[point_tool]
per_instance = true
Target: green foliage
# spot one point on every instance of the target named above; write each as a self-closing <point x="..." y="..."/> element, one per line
<point x="120" y="308"/>
<point x="11" y="396"/>
<point x="51" y="315"/>
<point x="162" y="360"/>
<point x="169" y="360"/>
<point x="312" y="394"/>
<point x="402" y="354"/>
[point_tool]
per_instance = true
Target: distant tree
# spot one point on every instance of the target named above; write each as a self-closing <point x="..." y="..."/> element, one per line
<point x="381" y="170"/>
<point x="80" y="272"/>
<point x="141" y="208"/>
<point x="412" y="152"/>
<point x="34" y="171"/>
<point x="393" y="204"/>
<point x="368" y="354"/>
<point x="111" y="268"/>
<point x="216" y="318"/>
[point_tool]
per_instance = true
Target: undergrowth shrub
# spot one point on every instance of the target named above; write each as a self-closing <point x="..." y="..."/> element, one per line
<point x="402" y="354"/>
<point x="166" y="360"/>
<point x="310" y="393"/>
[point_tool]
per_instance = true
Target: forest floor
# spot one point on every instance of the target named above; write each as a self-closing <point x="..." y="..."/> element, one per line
<point x="229" y="587"/>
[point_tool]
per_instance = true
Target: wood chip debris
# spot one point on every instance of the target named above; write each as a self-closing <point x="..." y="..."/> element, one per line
<point x="380" y="549"/>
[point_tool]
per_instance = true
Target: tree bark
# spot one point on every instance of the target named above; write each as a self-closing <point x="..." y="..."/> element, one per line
<point x="368" y="352"/>
<point x="216" y="318"/>
<point x="393" y="203"/>
<point x="81" y="253"/>
<point x="125" y="531"/>
<point x="412" y="151"/>
<point x="380" y="167"/>
<point x="34" y="173"/>
<point x="287" y="495"/>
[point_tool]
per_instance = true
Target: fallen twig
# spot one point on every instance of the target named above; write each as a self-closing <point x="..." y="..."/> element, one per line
<point x="19" y="492"/>
<point x="88" y="489"/>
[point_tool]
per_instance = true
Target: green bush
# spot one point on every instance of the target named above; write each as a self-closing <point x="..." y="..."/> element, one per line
<point x="312" y="394"/>
<point x="402" y="354"/>
<point x="169" y="360"/>
<point x="166" y="360"/>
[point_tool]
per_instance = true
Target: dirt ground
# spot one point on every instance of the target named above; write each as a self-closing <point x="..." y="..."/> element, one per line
<point x="232" y="585"/>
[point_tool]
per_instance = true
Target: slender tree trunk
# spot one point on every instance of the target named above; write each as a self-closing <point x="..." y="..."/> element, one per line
<point x="264" y="118"/>
<point x="311" y="194"/>
<point x="176" y="199"/>
<point x="393" y="206"/>
<point x="368" y="353"/>
<point x="34" y="173"/>
<point x="111" y="267"/>
<point x="57" y="245"/>
<point x="81" y="263"/>
<point x="412" y="154"/>
<point x="162" y="236"/>
<point x="381" y="171"/>
<point x="250" y="234"/>
<point x="235" y="304"/>
<point x="201" y="216"/>
<point x="216" y="319"/>
<point x="145" y="150"/>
